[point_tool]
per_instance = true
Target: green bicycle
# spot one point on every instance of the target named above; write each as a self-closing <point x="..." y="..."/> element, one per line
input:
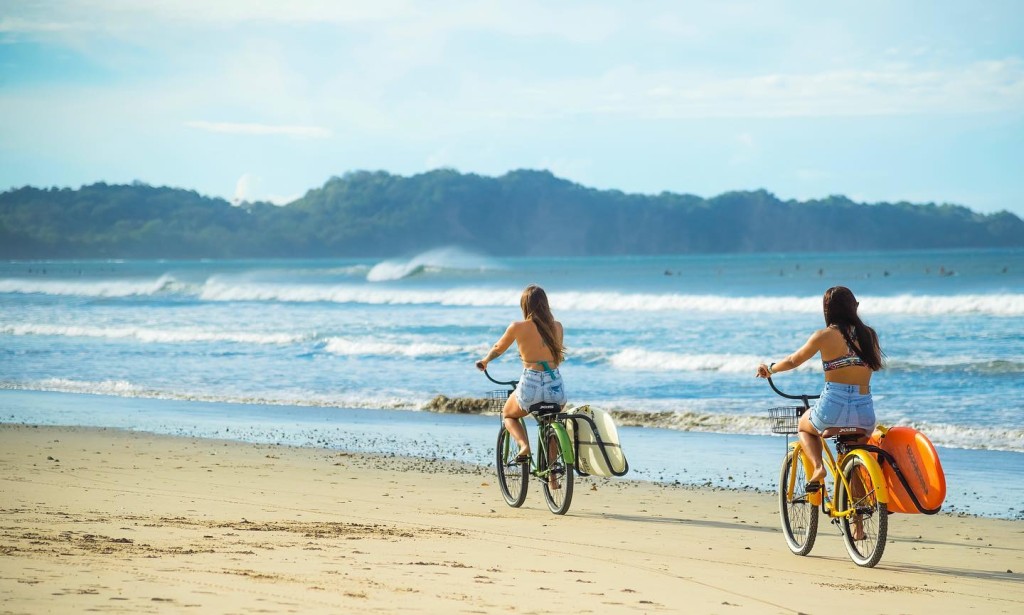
<point x="553" y="461"/>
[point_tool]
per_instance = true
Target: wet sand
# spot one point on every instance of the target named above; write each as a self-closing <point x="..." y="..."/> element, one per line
<point x="115" y="521"/>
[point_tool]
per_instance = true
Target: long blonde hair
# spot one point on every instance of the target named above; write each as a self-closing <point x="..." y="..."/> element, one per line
<point x="535" y="308"/>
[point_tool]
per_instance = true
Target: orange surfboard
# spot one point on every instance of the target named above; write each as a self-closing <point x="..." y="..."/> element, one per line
<point x="919" y="462"/>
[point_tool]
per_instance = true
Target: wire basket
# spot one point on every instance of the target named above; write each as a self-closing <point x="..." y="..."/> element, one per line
<point x="785" y="419"/>
<point x="496" y="400"/>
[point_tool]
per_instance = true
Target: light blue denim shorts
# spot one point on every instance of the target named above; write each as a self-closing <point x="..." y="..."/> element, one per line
<point x="536" y="386"/>
<point x="842" y="405"/>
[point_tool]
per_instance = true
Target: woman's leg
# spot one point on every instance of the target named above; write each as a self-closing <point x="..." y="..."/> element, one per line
<point x="511" y="415"/>
<point x="810" y="441"/>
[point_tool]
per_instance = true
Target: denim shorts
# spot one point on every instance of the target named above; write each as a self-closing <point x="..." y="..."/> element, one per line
<point x="843" y="405"/>
<point x="537" y="386"/>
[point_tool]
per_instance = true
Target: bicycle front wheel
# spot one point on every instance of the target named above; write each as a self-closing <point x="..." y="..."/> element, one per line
<point x="512" y="475"/>
<point x="799" y="516"/>
<point x="865" y="529"/>
<point x="556" y="475"/>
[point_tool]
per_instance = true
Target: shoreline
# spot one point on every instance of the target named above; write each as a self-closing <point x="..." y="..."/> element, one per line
<point x="981" y="482"/>
<point x="682" y="420"/>
<point x="110" y="519"/>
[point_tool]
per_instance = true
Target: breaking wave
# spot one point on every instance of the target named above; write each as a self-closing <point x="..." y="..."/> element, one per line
<point x="165" y="284"/>
<point x="351" y="347"/>
<point x="218" y="289"/>
<point x="432" y="261"/>
<point x="124" y="388"/>
<point x="417" y="347"/>
<point x="153" y="335"/>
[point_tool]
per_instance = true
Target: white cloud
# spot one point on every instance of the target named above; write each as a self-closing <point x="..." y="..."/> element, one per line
<point x="579" y="22"/>
<point x="981" y="87"/>
<point x="307" y="132"/>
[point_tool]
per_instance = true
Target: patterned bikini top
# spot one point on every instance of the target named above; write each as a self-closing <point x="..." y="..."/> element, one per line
<point x="850" y="359"/>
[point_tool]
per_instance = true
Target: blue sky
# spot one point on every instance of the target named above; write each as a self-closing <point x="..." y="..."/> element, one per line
<point x="880" y="101"/>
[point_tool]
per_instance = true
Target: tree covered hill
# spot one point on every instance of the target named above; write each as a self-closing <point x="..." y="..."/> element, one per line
<point x="519" y="213"/>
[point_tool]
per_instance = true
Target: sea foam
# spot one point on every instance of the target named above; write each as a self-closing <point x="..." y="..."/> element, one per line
<point x="152" y="335"/>
<point x="220" y="289"/>
<point x="953" y="436"/>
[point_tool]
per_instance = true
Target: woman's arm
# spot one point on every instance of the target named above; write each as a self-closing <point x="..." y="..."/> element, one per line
<point x="808" y="350"/>
<point x="499" y="347"/>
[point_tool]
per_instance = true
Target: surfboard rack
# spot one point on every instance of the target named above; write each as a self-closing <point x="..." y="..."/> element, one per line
<point x="601" y="444"/>
<point x="887" y="457"/>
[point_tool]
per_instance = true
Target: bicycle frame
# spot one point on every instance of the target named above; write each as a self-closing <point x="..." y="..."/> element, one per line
<point x="859" y="499"/>
<point x="556" y="422"/>
<point x="834" y="466"/>
<point x="553" y="421"/>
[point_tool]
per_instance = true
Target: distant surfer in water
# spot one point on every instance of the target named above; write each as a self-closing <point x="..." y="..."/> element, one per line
<point x="539" y="339"/>
<point x="846" y="399"/>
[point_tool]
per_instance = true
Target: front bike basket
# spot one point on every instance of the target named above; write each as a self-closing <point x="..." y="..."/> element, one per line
<point x="785" y="419"/>
<point x="496" y="399"/>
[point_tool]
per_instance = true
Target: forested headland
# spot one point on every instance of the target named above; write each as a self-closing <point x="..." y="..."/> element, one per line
<point x="520" y="213"/>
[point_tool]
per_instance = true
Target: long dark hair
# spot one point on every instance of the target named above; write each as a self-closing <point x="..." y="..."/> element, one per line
<point x="840" y="308"/>
<point x="535" y="307"/>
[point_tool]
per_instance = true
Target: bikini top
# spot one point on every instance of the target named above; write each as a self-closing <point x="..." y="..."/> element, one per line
<point x="544" y="364"/>
<point x="850" y="359"/>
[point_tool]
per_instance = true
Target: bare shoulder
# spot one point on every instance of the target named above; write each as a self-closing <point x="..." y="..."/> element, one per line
<point x="822" y="335"/>
<point x="519" y="326"/>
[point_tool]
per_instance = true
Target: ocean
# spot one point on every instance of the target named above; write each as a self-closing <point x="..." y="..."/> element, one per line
<point x="348" y="353"/>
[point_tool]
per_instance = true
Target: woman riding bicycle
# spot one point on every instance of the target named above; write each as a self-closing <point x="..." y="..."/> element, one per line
<point x="846" y="399"/>
<point x="539" y="339"/>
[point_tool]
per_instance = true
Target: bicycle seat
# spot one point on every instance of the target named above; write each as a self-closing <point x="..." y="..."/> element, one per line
<point x="845" y="434"/>
<point x="545" y="407"/>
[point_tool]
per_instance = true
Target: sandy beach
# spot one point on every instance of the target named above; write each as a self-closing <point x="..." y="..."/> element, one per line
<point x="117" y="521"/>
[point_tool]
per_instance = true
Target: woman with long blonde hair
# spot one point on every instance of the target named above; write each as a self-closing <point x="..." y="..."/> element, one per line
<point x="539" y="339"/>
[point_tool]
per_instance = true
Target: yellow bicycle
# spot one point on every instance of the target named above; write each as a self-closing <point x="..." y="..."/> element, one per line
<point x="858" y="500"/>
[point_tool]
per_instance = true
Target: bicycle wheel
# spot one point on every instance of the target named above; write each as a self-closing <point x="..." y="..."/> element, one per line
<point x="799" y="516"/>
<point x="512" y="476"/>
<point x="556" y="475"/>
<point x="870" y="515"/>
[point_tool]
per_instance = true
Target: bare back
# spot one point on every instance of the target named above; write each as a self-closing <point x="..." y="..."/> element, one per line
<point x="532" y="348"/>
<point x="832" y="346"/>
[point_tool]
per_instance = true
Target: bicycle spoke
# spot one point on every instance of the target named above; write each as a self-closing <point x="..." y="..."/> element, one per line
<point x="798" y="515"/>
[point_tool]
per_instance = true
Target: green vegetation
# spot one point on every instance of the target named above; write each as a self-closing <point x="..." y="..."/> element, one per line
<point x="519" y="213"/>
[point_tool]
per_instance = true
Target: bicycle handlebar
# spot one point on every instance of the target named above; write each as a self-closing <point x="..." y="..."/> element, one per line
<point x="511" y="383"/>
<point x="802" y="398"/>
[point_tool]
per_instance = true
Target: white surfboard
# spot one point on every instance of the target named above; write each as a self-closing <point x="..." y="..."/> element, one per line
<point x="590" y="459"/>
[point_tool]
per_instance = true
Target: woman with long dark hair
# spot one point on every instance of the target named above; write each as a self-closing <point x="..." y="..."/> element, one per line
<point x="539" y="339"/>
<point x="850" y="354"/>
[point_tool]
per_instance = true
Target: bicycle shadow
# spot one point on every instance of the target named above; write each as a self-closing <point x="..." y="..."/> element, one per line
<point x="946" y="571"/>
<point x="709" y="523"/>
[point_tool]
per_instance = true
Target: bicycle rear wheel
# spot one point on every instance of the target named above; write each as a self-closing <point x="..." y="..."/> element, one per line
<point x="799" y="516"/>
<point x="556" y="475"/>
<point x="513" y="476"/>
<point x="871" y="517"/>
